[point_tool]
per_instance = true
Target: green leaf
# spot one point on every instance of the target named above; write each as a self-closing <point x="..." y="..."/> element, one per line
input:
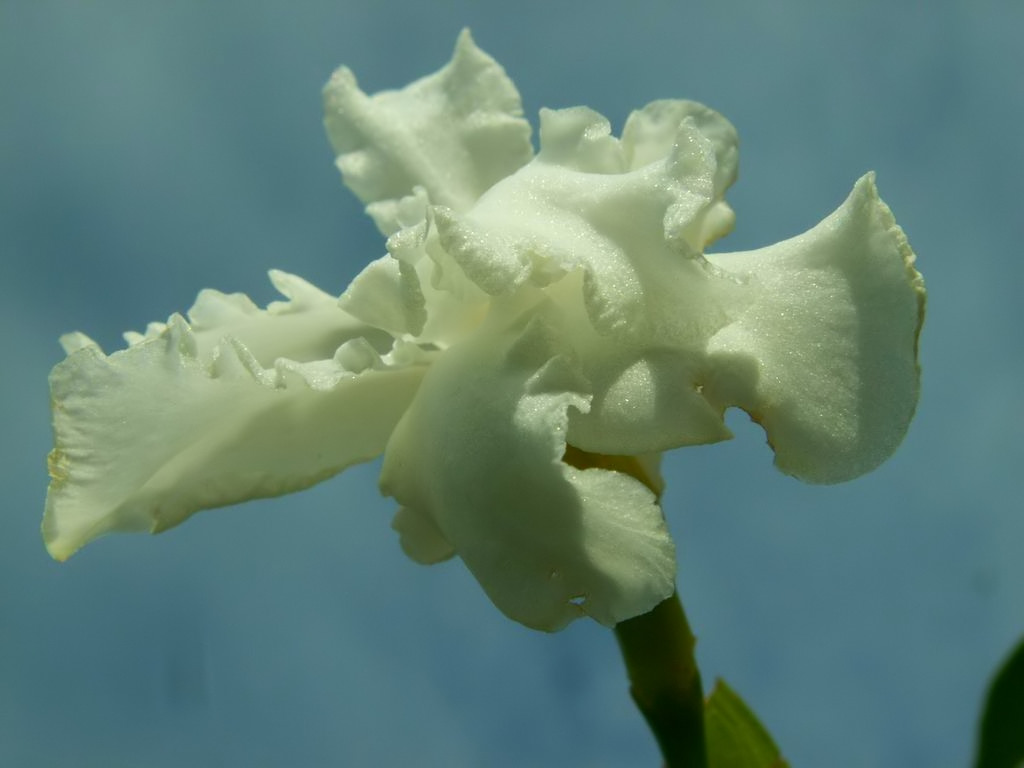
<point x="1001" y="739"/>
<point x="735" y="737"/>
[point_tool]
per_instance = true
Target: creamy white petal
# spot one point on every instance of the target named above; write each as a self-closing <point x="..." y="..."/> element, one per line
<point x="825" y="356"/>
<point x="453" y="304"/>
<point x="74" y="341"/>
<point x="477" y="462"/>
<point x="416" y="293"/>
<point x="151" y="434"/>
<point x="383" y="297"/>
<point x="455" y="133"/>
<point x="308" y="326"/>
<point x="421" y="539"/>
<point x="647" y="400"/>
<point x="647" y="395"/>
<point x="649" y="133"/>
<point x="612" y="248"/>
<point x="628" y="232"/>
<point x="648" y="136"/>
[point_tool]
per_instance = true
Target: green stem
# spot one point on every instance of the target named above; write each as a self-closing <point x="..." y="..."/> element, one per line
<point x="665" y="682"/>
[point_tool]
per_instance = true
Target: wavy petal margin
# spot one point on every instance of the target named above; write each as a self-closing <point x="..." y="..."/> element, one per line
<point x="649" y="134"/>
<point x="825" y="355"/>
<point x="577" y="206"/>
<point x="454" y="133"/>
<point x="149" y="435"/>
<point x="476" y="464"/>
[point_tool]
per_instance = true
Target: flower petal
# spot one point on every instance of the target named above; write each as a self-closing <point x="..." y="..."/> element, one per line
<point x="455" y="133"/>
<point x="413" y="296"/>
<point x="420" y="537"/>
<point x="577" y="222"/>
<point x="825" y="356"/>
<point x="649" y="134"/>
<point x="151" y="434"/>
<point x="630" y="232"/>
<point x="308" y="326"/>
<point x="383" y="296"/>
<point x="477" y="462"/>
<point x="647" y="397"/>
<point x="417" y="292"/>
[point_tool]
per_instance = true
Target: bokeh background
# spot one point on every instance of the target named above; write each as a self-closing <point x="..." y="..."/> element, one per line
<point x="150" y="149"/>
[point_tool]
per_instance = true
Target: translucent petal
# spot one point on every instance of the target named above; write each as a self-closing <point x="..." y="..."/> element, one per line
<point x="455" y="133"/>
<point x="825" y="355"/>
<point x="151" y="434"/>
<point x="477" y="460"/>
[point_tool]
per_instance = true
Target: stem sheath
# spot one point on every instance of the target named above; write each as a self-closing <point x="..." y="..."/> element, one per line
<point x="665" y="682"/>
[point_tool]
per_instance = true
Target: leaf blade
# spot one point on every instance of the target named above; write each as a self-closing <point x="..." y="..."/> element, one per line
<point x="1001" y="732"/>
<point x="735" y="737"/>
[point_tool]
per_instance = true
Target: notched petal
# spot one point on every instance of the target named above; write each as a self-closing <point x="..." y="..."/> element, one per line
<point x="829" y="342"/>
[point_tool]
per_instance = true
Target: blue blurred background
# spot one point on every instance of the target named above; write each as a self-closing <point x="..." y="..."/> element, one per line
<point x="148" y="150"/>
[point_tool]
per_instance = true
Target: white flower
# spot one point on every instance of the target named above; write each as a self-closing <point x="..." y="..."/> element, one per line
<point x="528" y="303"/>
